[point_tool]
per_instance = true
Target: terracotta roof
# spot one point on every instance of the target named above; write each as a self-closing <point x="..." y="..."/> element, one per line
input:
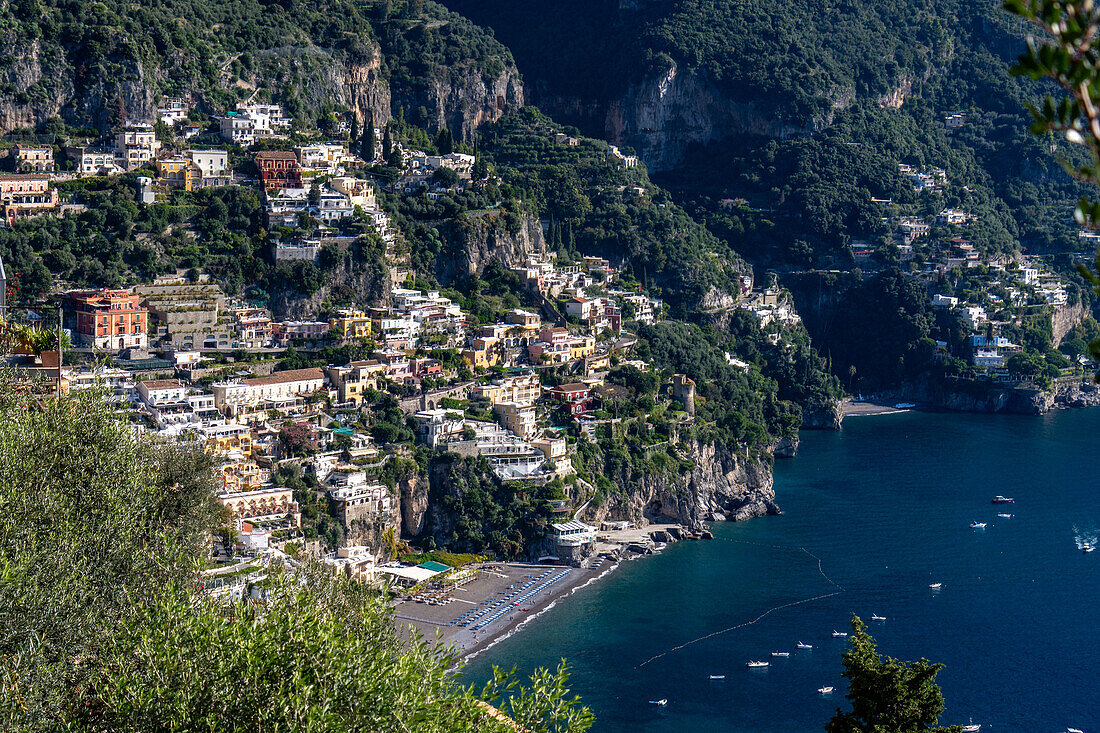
<point x="294" y="375"/>
<point x="23" y="177"/>
<point x="161" y="384"/>
<point x="572" y="387"/>
<point x="275" y="155"/>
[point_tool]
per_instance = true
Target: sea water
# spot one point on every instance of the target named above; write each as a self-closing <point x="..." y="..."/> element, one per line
<point x="873" y="515"/>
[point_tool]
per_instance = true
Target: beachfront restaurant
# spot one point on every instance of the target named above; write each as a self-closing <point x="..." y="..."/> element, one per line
<point x="404" y="576"/>
<point x="573" y="533"/>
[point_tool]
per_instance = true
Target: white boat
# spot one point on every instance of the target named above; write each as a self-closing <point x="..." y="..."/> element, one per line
<point x="828" y="690"/>
<point x="781" y="654"/>
<point x="905" y="405"/>
<point x="662" y="702"/>
<point x="876" y="617"/>
<point x="1074" y="730"/>
<point x="1005" y="516"/>
<point x="839" y="634"/>
<point x="757" y="665"/>
<point x="972" y="727"/>
<point x="998" y="499"/>
<point x="977" y="525"/>
<point x="936" y="586"/>
<point x="1087" y="547"/>
<point x="805" y="646"/>
<point x="718" y="676"/>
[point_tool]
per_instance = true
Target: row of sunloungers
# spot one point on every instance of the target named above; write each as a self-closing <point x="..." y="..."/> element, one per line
<point x="513" y="595"/>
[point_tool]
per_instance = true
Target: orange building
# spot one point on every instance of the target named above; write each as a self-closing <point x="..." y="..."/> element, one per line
<point x="26" y="194"/>
<point x="278" y="169"/>
<point x="110" y="319"/>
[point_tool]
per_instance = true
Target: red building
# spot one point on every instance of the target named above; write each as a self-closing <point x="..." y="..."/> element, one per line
<point x="278" y="169"/>
<point x="576" y="395"/>
<point x="110" y="319"/>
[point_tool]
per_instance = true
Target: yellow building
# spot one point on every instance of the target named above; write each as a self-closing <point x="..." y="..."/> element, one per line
<point x="483" y="351"/>
<point x="353" y="380"/>
<point x="581" y="346"/>
<point x="352" y="324"/>
<point x="177" y="173"/>
<point x="244" y="476"/>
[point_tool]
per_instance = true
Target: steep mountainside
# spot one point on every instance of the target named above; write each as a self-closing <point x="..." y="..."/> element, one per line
<point x="96" y="64"/>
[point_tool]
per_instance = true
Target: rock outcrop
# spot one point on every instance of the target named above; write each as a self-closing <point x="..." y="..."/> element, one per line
<point x="722" y="485"/>
<point x="822" y="416"/>
<point x="351" y="281"/>
<point x="413" y="493"/>
<point x="474" y="242"/>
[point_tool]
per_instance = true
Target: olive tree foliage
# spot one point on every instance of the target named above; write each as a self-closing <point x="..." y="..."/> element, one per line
<point x="103" y="625"/>
<point x="887" y="696"/>
<point x="1067" y="52"/>
<point x="92" y="522"/>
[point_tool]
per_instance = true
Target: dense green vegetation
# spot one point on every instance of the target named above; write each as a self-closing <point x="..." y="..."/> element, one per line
<point x="103" y="625"/>
<point x="887" y="694"/>
<point x="101" y="55"/>
<point x="219" y="231"/>
<point x="473" y="511"/>
<point x="601" y="207"/>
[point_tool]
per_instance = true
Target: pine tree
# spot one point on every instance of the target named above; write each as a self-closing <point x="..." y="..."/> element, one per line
<point x="444" y="143"/>
<point x="354" y="132"/>
<point x="387" y="144"/>
<point x="367" y="146"/>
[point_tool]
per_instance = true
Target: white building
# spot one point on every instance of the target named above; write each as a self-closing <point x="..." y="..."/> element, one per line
<point x="173" y="110"/>
<point x="136" y="145"/>
<point x="233" y="396"/>
<point x="212" y="164"/>
<point x="574" y="533"/>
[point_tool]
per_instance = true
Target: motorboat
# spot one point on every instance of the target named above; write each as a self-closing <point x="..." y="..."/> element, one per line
<point x="662" y="702"/>
<point x="1005" y="516"/>
<point x="827" y="690"/>
<point x="977" y="525"/>
<point x="781" y="654"/>
<point x="839" y="634"/>
<point x="998" y="499"/>
<point x="876" y="617"/>
<point x="905" y="405"/>
<point x="718" y="676"/>
<point x="1087" y="547"/>
<point x="805" y="646"/>
<point x="1074" y="730"/>
<point x="756" y="665"/>
<point x="972" y="727"/>
<point x="935" y="586"/>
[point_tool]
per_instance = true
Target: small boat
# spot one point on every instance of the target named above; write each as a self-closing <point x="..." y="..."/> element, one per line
<point x="972" y="727"/>
<point x="839" y="634"/>
<point x="781" y="654"/>
<point x="1074" y="730"/>
<point x="905" y="405"/>
<point x="718" y="676"/>
<point x="876" y="617"/>
<point x="805" y="646"/>
<point x="1087" y="547"/>
<point x="1005" y="516"/>
<point x="936" y="586"/>
<point x="998" y="499"/>
<point x="662" y="702"/>
<point x="977" y="525"/>
<point x="756" y="665"/>
<point x="827" y="690"/>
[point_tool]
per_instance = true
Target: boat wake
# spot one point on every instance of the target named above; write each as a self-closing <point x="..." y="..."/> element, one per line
<point x="1085" y="537"/>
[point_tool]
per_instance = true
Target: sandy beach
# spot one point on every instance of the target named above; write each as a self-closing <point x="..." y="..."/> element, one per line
<point x="501" y="598"/>
<point x="864" y="408"/>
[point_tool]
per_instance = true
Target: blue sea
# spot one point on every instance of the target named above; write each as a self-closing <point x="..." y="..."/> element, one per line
<point x="872" y="516"/>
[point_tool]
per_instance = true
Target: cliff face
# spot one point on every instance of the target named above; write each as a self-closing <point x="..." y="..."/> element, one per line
<point x="361" y="283"/>
<point x="822" y="416"/>
<point x="118" y="89"/>
<point x="661" y="116"/>
<point x="722" y="486"/>
<point x="474" y="242"/>
<point x="1065" y="318"/>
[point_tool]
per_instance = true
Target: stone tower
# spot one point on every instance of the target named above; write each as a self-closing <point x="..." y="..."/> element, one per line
<point x="683" y="390"/>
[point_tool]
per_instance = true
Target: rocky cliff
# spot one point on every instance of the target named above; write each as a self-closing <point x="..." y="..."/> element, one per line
<point x="39" y="81"/>
<point x="662" y="115"/>
<point x="1065" y="318"/>
<point x="722" y="485"/>
<point x="350" y="281"/>
<point x="475" y="241"/>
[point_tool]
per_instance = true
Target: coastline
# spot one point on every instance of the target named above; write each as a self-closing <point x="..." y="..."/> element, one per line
<point x="850" y="407"/>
